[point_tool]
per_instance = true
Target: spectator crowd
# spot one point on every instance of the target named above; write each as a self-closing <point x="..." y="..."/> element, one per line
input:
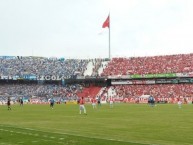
<point x="19" y="66"/>
<point x="42" y="93"/>
<point x="157" y="90"/>
<point x="181" y="63"/>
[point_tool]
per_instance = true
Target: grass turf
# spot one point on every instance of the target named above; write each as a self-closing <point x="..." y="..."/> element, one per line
<point x="125" y="124"/>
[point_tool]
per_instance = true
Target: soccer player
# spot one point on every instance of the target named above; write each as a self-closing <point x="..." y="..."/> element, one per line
<point x="99" y="100"/>
<point x="9" y="103"/>
<point x="151" y="101"/>
<point x="179" y="103"/>
<point x="111" y="102"/>
<point x="137" y="100"/>
<point x="21" y="101"/>
<point x="52" y="103"/>
<point x="81" y="106"/>
<point x="93" y="101"/>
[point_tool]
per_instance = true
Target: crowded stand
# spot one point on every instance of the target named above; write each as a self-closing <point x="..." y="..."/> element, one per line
<point x="180" y="63"/>
<point x="162" y="92"/>
<point x="39" y="93"/>
<point x="18" y="66"/>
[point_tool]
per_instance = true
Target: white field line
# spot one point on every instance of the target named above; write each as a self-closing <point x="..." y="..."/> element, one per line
<point x="31" y="134"/>
<point x="108" y="139"/>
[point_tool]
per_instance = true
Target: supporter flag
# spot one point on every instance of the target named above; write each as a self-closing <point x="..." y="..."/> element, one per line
<point x="106" y="23"/>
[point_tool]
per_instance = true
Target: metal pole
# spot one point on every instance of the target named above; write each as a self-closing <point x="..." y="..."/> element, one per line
<point x="109" y="39"/>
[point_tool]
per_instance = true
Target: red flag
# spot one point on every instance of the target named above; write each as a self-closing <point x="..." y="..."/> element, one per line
<point x="106" y="23"/>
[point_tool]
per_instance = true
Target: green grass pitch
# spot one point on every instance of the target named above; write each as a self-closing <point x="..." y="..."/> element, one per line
<point x="125" y="124"/>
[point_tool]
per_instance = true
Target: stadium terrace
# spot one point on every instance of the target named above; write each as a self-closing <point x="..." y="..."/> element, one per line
<point x="123" y="79"/>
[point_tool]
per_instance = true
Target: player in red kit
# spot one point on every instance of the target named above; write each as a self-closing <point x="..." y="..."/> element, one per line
<point x="82" y="107"/>
<point x="93" y="101"/>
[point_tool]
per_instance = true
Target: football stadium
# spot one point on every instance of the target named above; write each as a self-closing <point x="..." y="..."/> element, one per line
<point x="130" y="119"/>
<point x="110" y="100"/>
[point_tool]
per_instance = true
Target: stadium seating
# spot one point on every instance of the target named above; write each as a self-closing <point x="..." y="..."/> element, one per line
<point x="159" y="91"/>
<point x="89" y="92"/>
<point x="181" y="63"/>
<point x="150" y="65"/>
<point x="39" y="93"/>
<point x="42" y="66"/>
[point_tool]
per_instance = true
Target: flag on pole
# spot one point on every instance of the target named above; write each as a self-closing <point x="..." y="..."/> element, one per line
<point x="106" y="23"/>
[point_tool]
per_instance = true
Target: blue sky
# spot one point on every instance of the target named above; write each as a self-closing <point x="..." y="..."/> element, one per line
<point x="73" y="28"/>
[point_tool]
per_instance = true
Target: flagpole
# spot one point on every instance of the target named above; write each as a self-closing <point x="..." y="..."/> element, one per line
<point x="107" y="24"/>
<point x="109" y="38"/>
